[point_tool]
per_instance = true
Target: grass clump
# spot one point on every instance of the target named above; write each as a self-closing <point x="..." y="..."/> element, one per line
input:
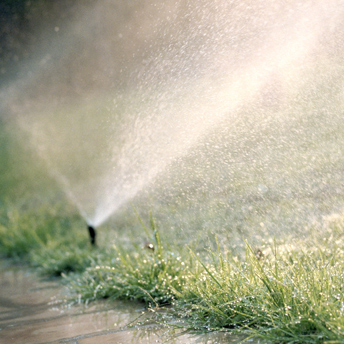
<point x="295" y="297"/>
<point x="288" y="295"/>
<point x="45" y="239"/>
<point x="152" y="274"/>
<point x="24" y="231"/>
<point x="55" y="259"/>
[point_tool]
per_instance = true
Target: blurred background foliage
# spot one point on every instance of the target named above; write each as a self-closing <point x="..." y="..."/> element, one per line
<point x="23" y="23"/>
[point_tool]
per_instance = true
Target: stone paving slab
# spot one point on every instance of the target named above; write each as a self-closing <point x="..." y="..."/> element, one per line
<point x="156" y="336"/>
<point x="34" y="311"/>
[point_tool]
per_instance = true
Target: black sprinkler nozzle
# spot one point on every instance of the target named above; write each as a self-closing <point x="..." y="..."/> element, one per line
<point x="92" y="232"/>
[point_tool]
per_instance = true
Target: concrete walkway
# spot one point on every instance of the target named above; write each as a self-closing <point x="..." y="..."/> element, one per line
<point x="36" y="311"/>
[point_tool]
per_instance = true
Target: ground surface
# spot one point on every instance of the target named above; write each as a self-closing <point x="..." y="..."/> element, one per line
<point x="34" y="311"/>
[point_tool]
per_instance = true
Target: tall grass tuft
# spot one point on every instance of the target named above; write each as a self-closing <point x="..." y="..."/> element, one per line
<point x="295" y="297"/>
<point x="151" y="274"/>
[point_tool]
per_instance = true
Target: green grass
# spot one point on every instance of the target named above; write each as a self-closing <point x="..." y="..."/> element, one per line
<point x="151" y="274"/>
<point x="295" y="297"/>
<point x="291" y="294"/>
<point x="44" y="238"/>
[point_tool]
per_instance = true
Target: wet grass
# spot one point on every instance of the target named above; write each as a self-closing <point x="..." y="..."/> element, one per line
<point x="45" y="239"/>
<point x="293" y="297"/>
<point x="152" y="273"/>
<point x="282" y="293"/>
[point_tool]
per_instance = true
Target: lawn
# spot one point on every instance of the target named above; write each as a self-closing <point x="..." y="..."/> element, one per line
<point x="243" y="233"/>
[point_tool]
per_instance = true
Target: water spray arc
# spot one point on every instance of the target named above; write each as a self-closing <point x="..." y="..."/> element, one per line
<point x="155" y="93"/>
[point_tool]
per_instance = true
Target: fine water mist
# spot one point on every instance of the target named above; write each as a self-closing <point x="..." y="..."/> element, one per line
<point x="222" y="105"/>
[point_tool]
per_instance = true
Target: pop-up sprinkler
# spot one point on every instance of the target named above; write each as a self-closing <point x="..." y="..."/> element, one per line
<point x="92" y="233"/>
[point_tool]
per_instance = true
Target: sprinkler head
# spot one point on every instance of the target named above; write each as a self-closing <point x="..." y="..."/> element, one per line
<point x="92" y="232"/>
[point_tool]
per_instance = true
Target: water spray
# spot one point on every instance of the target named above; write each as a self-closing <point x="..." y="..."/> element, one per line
<point x="215" y="82"/>
<point x="92" y="232"/>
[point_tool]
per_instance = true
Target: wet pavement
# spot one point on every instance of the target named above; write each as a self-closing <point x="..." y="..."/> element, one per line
<point x="33" y="310"/>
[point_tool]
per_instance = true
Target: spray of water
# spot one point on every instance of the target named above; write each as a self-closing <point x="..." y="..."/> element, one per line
<point x="125" y="90"/>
